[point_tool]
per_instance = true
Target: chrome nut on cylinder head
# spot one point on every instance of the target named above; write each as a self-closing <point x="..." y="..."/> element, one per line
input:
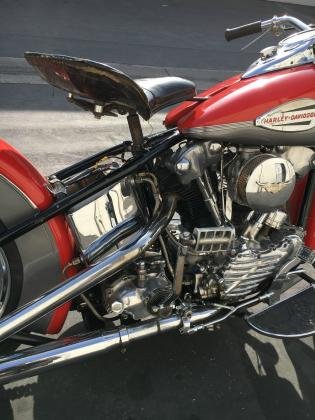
<point x="182" y="166"/>
<point x="117" y="307"/>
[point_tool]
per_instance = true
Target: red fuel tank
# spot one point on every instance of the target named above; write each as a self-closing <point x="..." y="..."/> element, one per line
<point x="270" y="109"/>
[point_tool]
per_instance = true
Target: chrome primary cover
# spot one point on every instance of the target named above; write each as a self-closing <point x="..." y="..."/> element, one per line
<point x="292" y="51"/>
<point x="5" y="282"/>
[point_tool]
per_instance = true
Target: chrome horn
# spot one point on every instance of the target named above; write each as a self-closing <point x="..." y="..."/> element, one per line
<point x="34" y="360"/>
<point x="83" y="281"/>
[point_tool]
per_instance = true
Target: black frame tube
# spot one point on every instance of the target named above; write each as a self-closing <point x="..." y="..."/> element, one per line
<point x="307" y="199"/>
<point x="115" y="150"/>
<point x="169" y="139"/>
<point x="91" y="160"/>
<point x="31" y="339"/>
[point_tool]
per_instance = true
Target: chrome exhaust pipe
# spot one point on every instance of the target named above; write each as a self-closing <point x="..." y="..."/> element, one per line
<point x="34" y="360"/>
<point x="83" y="281"/>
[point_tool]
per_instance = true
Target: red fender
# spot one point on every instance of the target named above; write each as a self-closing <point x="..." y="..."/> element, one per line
<point x="18" y="170"/>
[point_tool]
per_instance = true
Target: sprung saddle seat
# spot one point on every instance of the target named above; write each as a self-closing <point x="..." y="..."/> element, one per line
<point x="107" y="86"/>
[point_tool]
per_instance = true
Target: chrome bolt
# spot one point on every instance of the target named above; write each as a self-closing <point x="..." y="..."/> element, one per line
<point x="182" y="166"/>
<point x="117" y="307"/>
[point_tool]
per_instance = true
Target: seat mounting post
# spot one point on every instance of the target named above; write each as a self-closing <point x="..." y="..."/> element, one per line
<point x="135" y="131"/>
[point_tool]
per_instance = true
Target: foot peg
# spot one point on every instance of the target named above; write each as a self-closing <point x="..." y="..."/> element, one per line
<point x="293" y="317"/>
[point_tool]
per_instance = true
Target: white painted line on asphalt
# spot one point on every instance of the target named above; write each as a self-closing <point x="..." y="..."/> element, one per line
<point x="26" y="79"/>
<point x="18" y="71"/>
<point x="55" y="120"/>
<point x="300" y="2"/>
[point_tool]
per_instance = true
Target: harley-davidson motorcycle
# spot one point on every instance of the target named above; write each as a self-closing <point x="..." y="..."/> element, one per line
<point x="182" y="229"/>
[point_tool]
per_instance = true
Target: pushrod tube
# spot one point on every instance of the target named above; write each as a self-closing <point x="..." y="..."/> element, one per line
<point x="83" y="281"/>
<point x="67" y="202"/>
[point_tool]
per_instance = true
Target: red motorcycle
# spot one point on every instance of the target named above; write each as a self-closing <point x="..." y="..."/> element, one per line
<point x="178" y="230"/>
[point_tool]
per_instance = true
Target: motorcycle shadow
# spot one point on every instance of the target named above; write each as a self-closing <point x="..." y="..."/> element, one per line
<point x="228" y="373"/>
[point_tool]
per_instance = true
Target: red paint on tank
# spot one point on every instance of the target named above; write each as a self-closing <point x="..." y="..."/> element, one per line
<point x="247" y="99"/>
<point x="181" y="110"/>
<point x="18" y="170"/>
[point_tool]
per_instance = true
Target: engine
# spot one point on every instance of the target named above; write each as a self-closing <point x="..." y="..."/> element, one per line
<point x="241" y="233"/>
<point x="231" y="233"/>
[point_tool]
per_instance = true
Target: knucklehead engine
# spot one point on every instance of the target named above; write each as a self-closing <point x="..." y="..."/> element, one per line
<point x="230" y="234"/>
<point x="233" y="224"/>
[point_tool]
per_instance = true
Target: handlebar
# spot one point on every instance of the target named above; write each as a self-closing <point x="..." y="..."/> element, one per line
<point x="274" y="24"/>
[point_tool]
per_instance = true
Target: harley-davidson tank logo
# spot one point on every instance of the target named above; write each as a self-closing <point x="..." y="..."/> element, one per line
<point x="297" y="115"/>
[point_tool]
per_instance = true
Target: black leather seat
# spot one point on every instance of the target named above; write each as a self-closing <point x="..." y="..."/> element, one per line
<point x="162" y="92"/>
<point x="108" y="86"/>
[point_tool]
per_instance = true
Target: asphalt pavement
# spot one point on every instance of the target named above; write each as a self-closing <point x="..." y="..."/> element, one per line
<point x="230" y="373"/>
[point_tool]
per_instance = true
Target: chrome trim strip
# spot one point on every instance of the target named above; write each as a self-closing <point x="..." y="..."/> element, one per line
<point x="222" y="131"/>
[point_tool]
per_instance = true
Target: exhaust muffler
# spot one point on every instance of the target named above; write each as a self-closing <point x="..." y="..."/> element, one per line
<point x="34" y="360"/>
